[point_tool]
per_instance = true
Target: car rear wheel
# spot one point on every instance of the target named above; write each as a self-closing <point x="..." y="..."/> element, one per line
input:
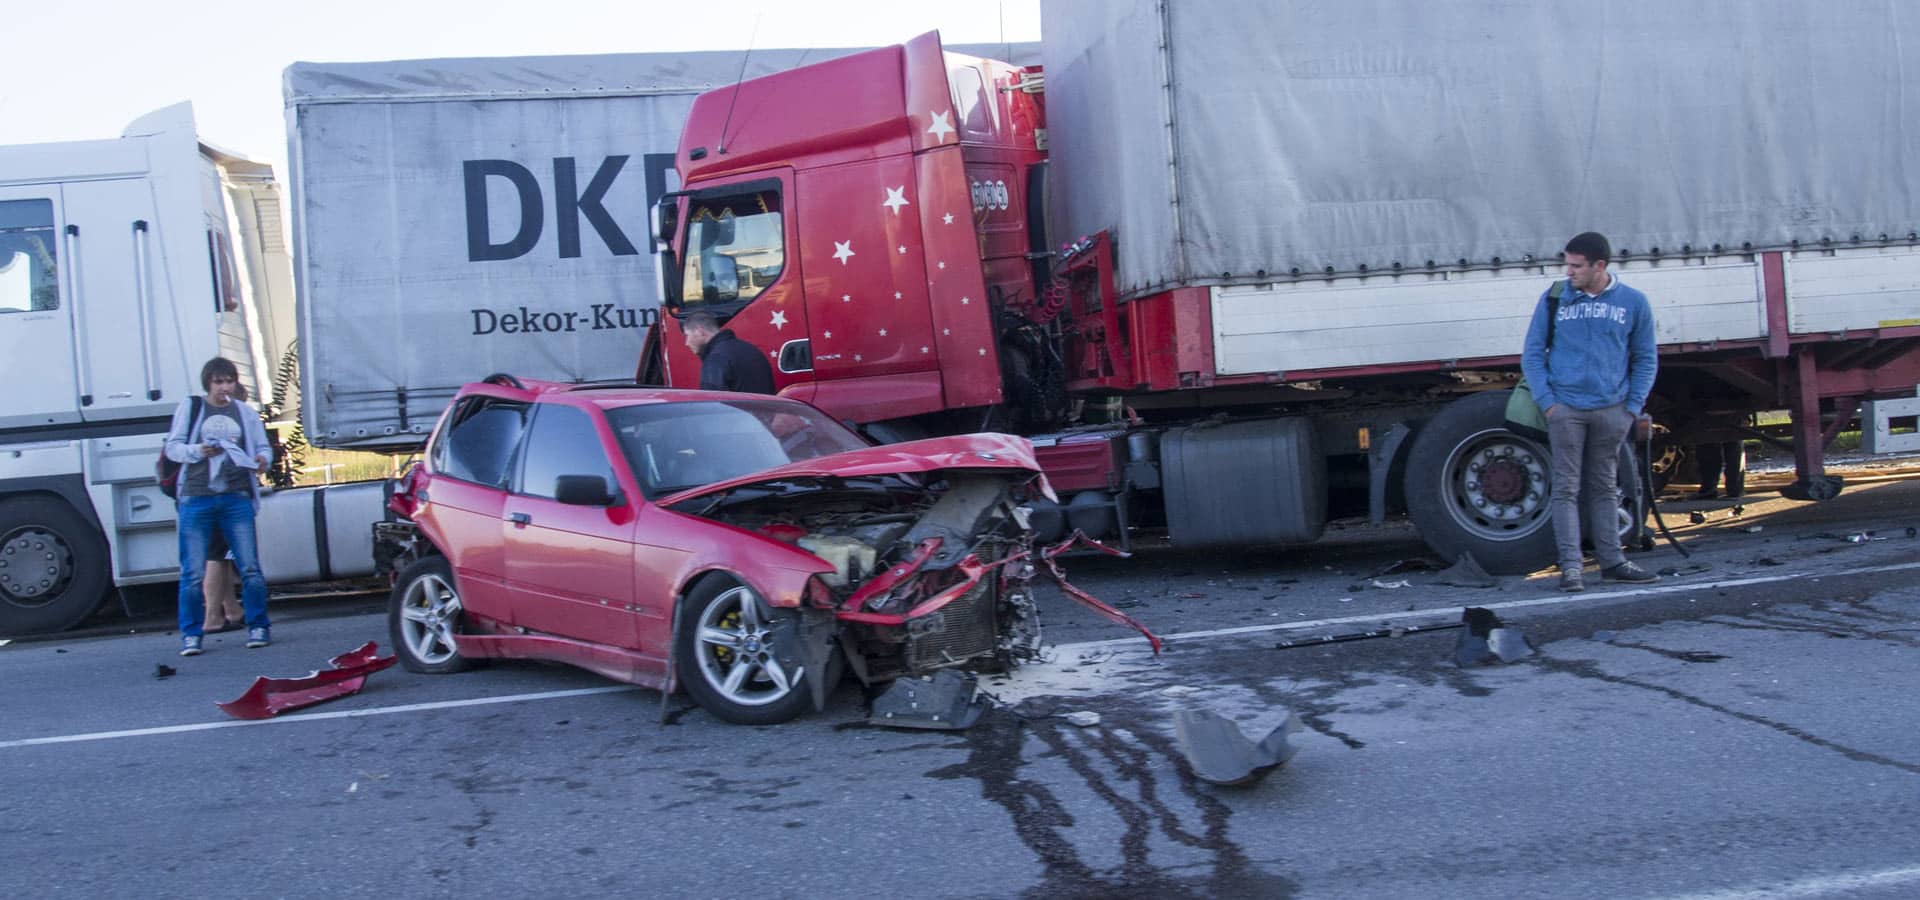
<point x="737" y="656"/>
<point x="424" y="618"/>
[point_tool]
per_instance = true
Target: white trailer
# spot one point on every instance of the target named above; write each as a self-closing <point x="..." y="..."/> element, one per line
<point x="124" y="265"/>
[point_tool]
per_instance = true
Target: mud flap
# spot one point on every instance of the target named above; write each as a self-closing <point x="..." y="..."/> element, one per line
<point x="943" y="701"/>
<point x="817" y="632"/>
<point x="1219" y="753"/>
<point x="269" y="697"/>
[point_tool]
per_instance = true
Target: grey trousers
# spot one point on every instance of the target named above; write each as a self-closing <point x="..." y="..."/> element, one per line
<point x="1586" y="453"/>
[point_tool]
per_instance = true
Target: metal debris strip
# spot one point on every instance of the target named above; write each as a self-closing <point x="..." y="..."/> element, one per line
<point x="269" y="697"/>
<point x="1385" y="630"/>
<point x="1218" y="752"/>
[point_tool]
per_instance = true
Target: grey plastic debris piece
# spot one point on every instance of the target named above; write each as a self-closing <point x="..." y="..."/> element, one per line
<point x="1509" y="644"/>
<point x="943" y="701"/>
<point x="1218" y="752"/>
<point x="1487" y="641"/>
<point x="1083" y="718"/>
<point x="1467" y="572"/>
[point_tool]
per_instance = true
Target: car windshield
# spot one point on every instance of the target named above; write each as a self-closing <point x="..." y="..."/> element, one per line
<point x="675" y="446"/>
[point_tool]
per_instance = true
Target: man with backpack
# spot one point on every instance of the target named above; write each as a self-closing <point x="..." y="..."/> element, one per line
<point x="1590" y="359"/>
<point x="221" y="446"/>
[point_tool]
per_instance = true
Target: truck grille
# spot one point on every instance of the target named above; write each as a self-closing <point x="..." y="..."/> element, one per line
<point x="967" y="632"/>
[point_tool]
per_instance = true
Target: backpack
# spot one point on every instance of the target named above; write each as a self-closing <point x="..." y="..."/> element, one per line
<point x="1524" y="416"/>
<point x="165" y="470"/>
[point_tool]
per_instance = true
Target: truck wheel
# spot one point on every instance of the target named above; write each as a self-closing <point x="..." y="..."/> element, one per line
<point x="424" y="618"/>
<point x="737" y="656"/>
<point x="1475" y="487"/>
<point x="53" y="566"/>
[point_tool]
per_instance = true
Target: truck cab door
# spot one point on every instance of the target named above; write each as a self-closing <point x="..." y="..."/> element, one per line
<point x="36" y="326"/>
<point x="738" y="261"/>
<point x="118" y="281"/>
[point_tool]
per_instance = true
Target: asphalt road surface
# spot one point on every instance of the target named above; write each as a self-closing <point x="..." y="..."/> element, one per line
<point x="1745" y="728"/>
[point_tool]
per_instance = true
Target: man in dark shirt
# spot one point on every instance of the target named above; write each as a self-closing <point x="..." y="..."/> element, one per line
<point x="727" y="363"/>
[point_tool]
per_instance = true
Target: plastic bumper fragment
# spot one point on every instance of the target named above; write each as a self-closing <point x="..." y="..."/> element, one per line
<point x="269" y="697"/>
<point x="1218" y="752"/>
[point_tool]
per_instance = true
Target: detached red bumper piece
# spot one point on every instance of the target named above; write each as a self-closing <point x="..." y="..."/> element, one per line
<point x="269" y="697"/>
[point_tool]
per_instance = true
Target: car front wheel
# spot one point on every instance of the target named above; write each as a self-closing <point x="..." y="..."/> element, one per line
<point x="424" y="618"/>
<point x="737" y="656"/>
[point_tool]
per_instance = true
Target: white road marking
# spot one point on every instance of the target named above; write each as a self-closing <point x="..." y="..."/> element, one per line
<point x="311" y="717"/>
<point x="1453" y="612"/>
<point x="1823" y="886"/>
<point x="1061" y="651"/>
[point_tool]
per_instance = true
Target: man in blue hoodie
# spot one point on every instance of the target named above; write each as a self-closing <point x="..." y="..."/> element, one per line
<point x="1592" y="385"/>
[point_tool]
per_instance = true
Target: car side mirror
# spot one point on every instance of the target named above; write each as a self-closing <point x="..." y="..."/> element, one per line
<point x="582" y="490"/>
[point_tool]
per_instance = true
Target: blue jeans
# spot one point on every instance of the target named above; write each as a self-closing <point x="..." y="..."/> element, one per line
<point x="232" y="515"/>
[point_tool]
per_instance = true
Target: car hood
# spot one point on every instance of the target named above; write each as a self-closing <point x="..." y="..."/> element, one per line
<point x="967" y="451"/>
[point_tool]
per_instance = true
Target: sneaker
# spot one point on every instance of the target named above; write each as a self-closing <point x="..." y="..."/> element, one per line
<point x="1706" y="494"/>
<point x="189" y="645"/>
<point x="257" y="638"/>
<point x="1630" y="573"/>
<point x="1571" y="582"/>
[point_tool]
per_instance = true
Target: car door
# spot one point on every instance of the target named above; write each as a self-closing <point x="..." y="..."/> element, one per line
<point x="570" y="566"/>
<point x="471" y="459"/>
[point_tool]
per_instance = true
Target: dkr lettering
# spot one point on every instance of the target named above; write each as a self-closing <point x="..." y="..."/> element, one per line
<point x="572" y="202"/>
<point x="1593" y="309"/>
<point x="597" y="317"/>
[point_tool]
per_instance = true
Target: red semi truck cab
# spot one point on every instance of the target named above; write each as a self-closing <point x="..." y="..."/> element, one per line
<point x="862" y="221"/>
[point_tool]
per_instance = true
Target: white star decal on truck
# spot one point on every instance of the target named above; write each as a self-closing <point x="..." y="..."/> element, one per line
<point x="842" y="250"/>
<point x="779" y="319"/>
<point x="941" y="127"/>
<point x="896" y="198"/>
<point x="947" y="219"/>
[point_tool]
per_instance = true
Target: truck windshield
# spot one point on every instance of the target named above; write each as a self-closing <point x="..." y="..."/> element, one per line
<point x="675" y="446"/>
<point x="735" y="247"/>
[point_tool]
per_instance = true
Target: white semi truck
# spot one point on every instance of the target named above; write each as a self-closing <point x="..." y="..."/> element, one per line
<point x="124" y="265"/>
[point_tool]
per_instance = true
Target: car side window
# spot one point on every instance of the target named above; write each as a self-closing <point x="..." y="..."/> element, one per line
<point x="479" y="441"/>
<point x="563" y="442"/>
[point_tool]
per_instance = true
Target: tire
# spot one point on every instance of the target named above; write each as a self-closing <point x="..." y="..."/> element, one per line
<point x="735" y="655"/>
<point x="53" y="566"/>
<point x="1507" y="525"/>
<point x="425" y="620"/>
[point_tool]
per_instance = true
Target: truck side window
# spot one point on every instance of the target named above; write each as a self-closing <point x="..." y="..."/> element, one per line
<point x="736" y="246"/>
<point x="563" y="442"/>
<point x="29" y="280"/>
<point x="479" y="441"/>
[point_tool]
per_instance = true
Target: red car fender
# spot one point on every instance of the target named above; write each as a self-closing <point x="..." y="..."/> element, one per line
<point x="777" y="570"/>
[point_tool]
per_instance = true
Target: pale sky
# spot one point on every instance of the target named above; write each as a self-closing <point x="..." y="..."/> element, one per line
<point x="83" y="69"/>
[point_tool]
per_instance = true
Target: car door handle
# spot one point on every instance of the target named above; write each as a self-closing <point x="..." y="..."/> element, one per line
<point x="520" y="518"/>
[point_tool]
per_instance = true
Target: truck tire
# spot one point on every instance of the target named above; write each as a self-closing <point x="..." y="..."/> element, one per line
<point x="1474" y="487"/>
<point x="53" y="566"/>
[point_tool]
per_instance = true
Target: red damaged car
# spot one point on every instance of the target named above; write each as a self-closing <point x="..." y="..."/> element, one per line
<point x="749" y="549"/>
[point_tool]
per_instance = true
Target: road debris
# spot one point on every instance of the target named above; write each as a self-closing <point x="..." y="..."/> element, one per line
<point x="1467" y="573"/>
<point x="1180" y="690"/>
<point x="1414" y="564"/>
<point x="1487" y="640"/>
<point x="943" y="701"/>
<point x="1677" y="571"/>
<point x="162" y="670"/>
<point x="1083" y="718"/>
<point x="269" y="697"/>
<point x="1218" y="752"/>
<point x="1391" y="585"/>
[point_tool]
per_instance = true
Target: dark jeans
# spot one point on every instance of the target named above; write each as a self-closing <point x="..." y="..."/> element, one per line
<point x="1586" y="455"/>
<point x="231" y="515"/>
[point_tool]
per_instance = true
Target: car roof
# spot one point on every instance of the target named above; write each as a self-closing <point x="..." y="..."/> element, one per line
<point x="604" y="394"/>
